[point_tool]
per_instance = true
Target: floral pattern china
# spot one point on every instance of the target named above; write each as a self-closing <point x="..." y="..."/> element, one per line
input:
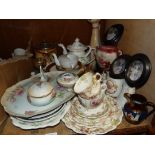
<point x="15" y="101"/>
<point x="106" y="120"/>
<point x="51" y="120"/>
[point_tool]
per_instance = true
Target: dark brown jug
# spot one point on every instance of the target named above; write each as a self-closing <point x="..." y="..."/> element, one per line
<point x="137" y="108"/>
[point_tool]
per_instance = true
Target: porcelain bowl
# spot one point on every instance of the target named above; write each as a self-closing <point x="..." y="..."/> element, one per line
<point x="41" y="93"/>
<point x="67" y="79"/>
<point x="19" y="51"/>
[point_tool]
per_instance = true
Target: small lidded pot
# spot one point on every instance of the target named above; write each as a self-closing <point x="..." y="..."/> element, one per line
<point x="41" y="92"/>
<point x="67" y="79"/>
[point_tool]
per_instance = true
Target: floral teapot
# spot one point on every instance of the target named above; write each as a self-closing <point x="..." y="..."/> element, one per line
<point x="67" y="61"/>
<point x="78" y="49"/>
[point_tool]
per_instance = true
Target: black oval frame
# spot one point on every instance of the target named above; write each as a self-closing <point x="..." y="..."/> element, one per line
<point x="122" y="74"/>
<point x="147" y="67"/>
<point x="117" y="37"/>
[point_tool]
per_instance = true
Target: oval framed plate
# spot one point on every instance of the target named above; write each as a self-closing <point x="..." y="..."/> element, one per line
<point x="117" y="68"/>
<point x="113" y="34"/>
<point x="138" y="70"/>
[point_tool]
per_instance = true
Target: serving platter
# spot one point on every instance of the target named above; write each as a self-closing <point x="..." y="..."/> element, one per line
<point x="46" y="122"/>
<point x="82" y="124"/>
<point x="42" y="116"/>
<point x="15" y="101"/>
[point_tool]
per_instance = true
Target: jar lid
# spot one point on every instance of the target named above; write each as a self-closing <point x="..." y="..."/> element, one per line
<point x="76" y="46"/>
<point x="40" y="89"/>
<point x="113" y="34"/>
<point x="138" y="70"/>
<point x="117" y="68"/>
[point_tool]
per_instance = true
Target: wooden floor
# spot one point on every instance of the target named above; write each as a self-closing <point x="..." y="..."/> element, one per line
<point x="124" y="128"/>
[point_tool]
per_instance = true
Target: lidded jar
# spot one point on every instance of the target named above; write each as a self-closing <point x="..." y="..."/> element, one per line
<point x="41" y="92"/>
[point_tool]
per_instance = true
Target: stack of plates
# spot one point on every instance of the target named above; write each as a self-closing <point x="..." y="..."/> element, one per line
<point x="106" y="117"/>
<point x="28" y="116"/>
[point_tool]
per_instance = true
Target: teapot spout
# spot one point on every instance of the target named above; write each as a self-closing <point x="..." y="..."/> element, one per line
<point x="56" y="59"/>
<point x="90" y="50"/>
<point x="63" y="47"/>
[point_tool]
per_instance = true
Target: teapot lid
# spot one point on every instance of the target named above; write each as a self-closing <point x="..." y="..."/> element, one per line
<point x="138" y="70"/>
<point x="77" y="46"/>
<point x="40" y="89"/>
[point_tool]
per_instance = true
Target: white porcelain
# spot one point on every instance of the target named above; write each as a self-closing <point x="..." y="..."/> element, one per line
<point x="42" y="117"/>
<point x="92" y="102"/>
<point x="41" y="92"/>
<point x="78" y="49"/>
<point x="88" y="85"/>
<point x="125" y="89"/>
<point x="89" y="112"/>
<point x="15" y="102"/>
<point x="105" y="55"/>
<point x="67" y="79"/>
<point x="19" y="52"/>
<point x="42" y="101"/>
<point x="46" y="122"/>
<point x="107" y="118"/>
<point x="66" y="61"/>
<point x="114" y="86"/>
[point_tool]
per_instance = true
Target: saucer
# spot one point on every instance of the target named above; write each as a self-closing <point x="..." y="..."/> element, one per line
<point x="108" y="117"/>
<point x="89" y="113"/>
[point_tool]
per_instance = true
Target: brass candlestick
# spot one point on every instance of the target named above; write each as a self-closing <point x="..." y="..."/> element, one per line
<point x="95" y="37"/>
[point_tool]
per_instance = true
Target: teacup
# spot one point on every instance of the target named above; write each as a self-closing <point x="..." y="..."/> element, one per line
<point x="88" y="85"/>
<point x="19" y="52"/>
<point x="92" y="102"/>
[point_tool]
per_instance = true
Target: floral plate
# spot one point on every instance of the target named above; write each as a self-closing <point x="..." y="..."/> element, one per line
<point x="15" y="100"/>
<point x="108" y="121"/>
<point x="49" y="121"/>
<point x="42" y="116"/>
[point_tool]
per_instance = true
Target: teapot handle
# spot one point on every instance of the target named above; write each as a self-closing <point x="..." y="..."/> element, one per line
<point x="150" y="104"/>
<point x="127" y="96"/>
<point x="63" y="47"/>
<point x="90" y="50"/>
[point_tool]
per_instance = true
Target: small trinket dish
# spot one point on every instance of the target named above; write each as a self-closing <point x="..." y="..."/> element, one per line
<point x="67" y="79"/>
